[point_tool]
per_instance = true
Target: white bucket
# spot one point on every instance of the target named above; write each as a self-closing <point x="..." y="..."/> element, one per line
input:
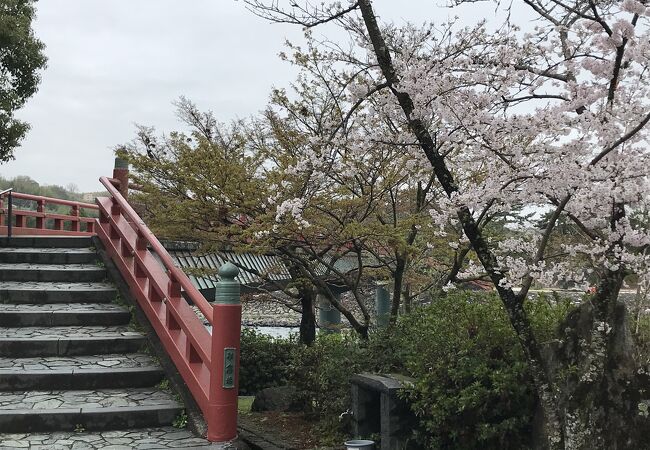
<point x="359" y="444"/>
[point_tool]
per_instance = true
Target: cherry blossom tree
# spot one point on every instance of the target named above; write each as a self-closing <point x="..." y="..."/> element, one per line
<point x="550" y="119"/>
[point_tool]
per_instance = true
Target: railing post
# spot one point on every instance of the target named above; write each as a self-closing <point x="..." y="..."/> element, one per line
<point x="74" y="223"/>
<point x="40" y="221"/>
<point x="9" y="214"/>
<point x="224" y="373"/>
<point x="121" y="173"/>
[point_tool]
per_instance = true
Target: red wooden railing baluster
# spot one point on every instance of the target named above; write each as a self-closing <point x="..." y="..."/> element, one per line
<point x="40" y="220"/>
<point x="224" y="379"/>
<point x="74" y="225"/>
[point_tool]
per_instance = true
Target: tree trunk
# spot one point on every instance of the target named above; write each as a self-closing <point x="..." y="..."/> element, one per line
<point x="307" y="294"/>
<point x="400" y="265"/>
<point x="407" y="299"/>
<point x="308" y="316"/>
<point x="600" y="397"/>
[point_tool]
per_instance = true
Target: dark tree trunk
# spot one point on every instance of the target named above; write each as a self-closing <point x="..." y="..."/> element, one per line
<point x="398" y="281"/>
<point x="407" y="299"/>
<point x="308" y="316"/>
<point x="307" y="292"/>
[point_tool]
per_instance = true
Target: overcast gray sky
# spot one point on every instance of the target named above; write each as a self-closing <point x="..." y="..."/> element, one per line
<point x="118" y="62"/>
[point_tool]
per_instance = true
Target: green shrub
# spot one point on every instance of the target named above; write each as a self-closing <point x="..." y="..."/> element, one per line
<point x="263" y="361"/>
<point x="547" y="311"/>
<point x="471" y="388"/>
<point x="321" y="375"/>
<point x="471" y="385"/>
<point x="641" y="329"/>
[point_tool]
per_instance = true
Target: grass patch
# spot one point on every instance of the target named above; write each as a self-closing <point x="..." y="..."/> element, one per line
<point x="244" y="404"/>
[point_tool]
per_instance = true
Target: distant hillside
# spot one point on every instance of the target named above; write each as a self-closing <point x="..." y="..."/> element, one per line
<point x="27" y="185"/>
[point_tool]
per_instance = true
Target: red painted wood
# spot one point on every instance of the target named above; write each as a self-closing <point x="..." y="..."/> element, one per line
<point x="17" y="231"/>
<point x="136" y="222"/>
<point x="161" y="290"/>
<point x="56" y="201"/>
<point x="42" y="217"/>
<point x="195" y="377"/>
<point x="40" y="221"/>
<point x="222" y="412"/>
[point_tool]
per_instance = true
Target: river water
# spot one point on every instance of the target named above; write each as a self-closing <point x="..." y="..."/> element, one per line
<point x="276" y="332"/>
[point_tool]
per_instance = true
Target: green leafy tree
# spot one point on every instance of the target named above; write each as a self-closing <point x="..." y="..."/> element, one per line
<point x="21" y="57"/>
<point x="231" y="188"/>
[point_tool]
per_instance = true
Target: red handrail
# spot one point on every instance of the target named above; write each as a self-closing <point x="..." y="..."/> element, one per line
<point x="158" y="285"/>
<point x="56" y="201"/>
<point x="20" y="227"/>
<point x="144" y="232"/>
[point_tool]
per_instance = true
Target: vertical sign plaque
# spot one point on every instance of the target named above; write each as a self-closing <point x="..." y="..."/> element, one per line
<point x="229" y="367"/>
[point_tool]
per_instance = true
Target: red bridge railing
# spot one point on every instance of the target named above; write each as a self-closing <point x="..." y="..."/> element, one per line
<point x="208" y="362"/>
<point x="45" y="222"/>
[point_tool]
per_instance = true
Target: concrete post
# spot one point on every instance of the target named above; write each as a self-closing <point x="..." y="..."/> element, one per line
<point x="121" y="173"/>
<point x="328" y="316"/>
<point x="382" y="304"/>
<point x="224" y="374"/>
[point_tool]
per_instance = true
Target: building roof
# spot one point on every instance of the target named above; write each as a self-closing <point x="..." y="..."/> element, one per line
<point x="269" y="266"/>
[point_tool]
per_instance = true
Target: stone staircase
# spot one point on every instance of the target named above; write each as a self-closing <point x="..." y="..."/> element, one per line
<point x="71" y="367"/>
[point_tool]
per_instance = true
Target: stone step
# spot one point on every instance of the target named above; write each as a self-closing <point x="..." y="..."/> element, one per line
<point x="52" y="272"/>
<point x="55" y="314"/>
<point x="45" y="255"/>
<point x="104" y="409"/>
<point x="79" y="372"/>
<point x="56" y="292"/>
<point x="68" y="341"/>
<point x="141" y="438"/>
<point x="47" y="241"/>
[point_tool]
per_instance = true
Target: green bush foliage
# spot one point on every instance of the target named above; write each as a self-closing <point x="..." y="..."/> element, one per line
<point x="320" y="373"/>
<point x="471" y="387"/>
<point x="264" y="361"/>
<point x="641" y="333"/>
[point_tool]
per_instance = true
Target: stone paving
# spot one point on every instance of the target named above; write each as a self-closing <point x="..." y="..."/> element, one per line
<point x="43" y="286"/>
<point x="52" y="250"/>
<point x="58" y="267"/>
<point x="116" y="361"/>
<point x="145" y="438"/>
<point x="62" y="307"/>
<point x="85" y="399"/>
<point x="78" y="331"/>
